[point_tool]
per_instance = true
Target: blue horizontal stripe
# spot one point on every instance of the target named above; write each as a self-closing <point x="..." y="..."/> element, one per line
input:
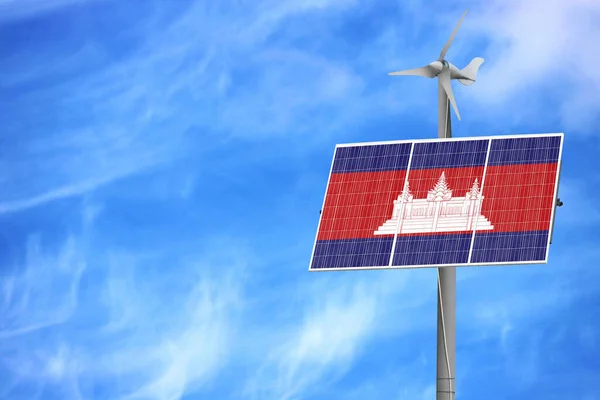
<point x="537" y="150"/>
<point x="452" y="154"/>
<point x="447" y="154"/>
<point x="371" y="158"/>
<point x="509" y="247"/>
<point x="349" y="253"/>
<point x="432" y="250"/>
<point x="440" y="249"/>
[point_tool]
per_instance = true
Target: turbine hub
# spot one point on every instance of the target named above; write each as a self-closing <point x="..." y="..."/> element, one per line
<point x="445" y="63"/>
<point x="437" y="67"/>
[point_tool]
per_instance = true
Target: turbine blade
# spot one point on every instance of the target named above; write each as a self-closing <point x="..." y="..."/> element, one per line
<point x="444" y="78"/>
<point x="449" y="42"/>
<point x="421" y="71"/>
<point x="468" y="74"/>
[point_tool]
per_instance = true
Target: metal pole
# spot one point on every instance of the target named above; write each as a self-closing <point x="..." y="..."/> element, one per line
<point x="446" y="312"/>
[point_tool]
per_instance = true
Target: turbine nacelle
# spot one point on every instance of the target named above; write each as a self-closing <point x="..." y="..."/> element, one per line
<point x="446" y="71"/>
<point x="462" y="75"/>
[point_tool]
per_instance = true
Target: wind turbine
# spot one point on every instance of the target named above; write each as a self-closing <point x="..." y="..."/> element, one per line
<point x="446" y="71"/>
<point x="446" y="319"/>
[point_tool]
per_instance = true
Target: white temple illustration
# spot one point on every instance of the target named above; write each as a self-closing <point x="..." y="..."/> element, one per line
<point x="439" y="212"/>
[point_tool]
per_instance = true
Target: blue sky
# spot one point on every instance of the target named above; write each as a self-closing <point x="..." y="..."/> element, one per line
<point x="163" y="163"/>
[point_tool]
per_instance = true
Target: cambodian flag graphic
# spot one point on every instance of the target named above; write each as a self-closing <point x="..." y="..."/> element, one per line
<point x="445" y="202"/>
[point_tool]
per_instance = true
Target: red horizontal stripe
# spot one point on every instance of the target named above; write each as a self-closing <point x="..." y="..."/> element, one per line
<point x="517" y="197"/>
<point x="357" y="203"/>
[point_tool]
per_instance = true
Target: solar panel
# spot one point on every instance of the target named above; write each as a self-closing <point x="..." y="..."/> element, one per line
<point x="439" y="202"/>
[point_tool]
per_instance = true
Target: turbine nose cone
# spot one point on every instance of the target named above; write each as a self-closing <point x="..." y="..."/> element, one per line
<point x="436" y="66"/>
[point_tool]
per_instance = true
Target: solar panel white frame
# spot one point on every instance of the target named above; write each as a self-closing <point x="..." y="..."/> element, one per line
<point x="434" y="140"/>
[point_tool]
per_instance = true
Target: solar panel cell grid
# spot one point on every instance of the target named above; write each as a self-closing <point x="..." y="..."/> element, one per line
<point x="449" y="154"/>
<point x="437" y="203"/>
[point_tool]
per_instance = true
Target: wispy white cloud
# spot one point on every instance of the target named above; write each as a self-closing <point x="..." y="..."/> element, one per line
<point x="165" y="328"/>
<point x="510" y="295"/>
<point x="43" y="292"/>
<point x="56" y="365"/>
<point x="58" y="193"/>
<point x="401" y="380"/>
<point x="338" y="318"/>
<point x="173" y="342"/>
<point x="401" y="383"/>
<point x="187" y="73"/>
<point x="11" y="10"/>
<point x="322" y="345"/>
<point x="190" y="355"/>
<point x="293" y="87"/>
<point x="506" y="305"/>
<point x="547" y="47"/>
